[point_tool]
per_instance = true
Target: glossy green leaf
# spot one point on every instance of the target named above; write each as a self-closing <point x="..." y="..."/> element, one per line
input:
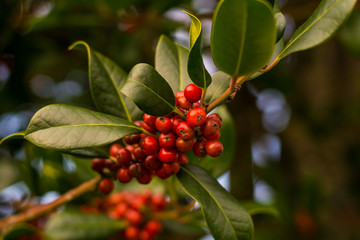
<point x="280" y="25"/>
<point x="225" y="218"/>
<point x="106" y="78"/>
<point x="220" y="82"/>
<point x="149" y="90"/>
<point x="321" y="25"/>
<point x="63" y="127"/>
<point x="243" y="36"/>
<point x="171" y="63"/>
<point x="196" y="69"/>
<point x="255" y="208"/>
<point x="77" y="226"/>
<point x="18" y="135"/>
<point x="218" y="166"/>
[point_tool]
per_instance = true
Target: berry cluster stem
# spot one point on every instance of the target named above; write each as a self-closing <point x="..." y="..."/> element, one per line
<point x="41" y="210"/>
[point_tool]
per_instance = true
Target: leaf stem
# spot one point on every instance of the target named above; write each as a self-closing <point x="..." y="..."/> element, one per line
<point x="38" y="211"/>
<point x="179" y="112"/>
<point x="203" y="94"/>
<point x="271" y="65"/>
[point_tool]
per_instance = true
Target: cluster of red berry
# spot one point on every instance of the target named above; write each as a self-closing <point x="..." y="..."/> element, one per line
<point x="161" y="151"/>
<point x="137" y="209"/>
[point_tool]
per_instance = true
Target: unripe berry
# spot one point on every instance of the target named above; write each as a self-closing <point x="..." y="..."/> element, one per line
<point x="199" y="149"/>
<point x="171" y="168"/>
<point x="149" y="145"/>
<point x="114" y="149"/>
<point x="196" y="117"/>
<point x="98" y="164"/>
<point x="184" y="131"/>
<point x="210" y="127"/>
<point x="192" y="93"/>
<point x="152" y="163"/>
<point x="214" y="148"/>
<point x="167" y="140"/>
<point x="149" y="120"/>
<point x="123" y="156"/>
<point x="123" y="175"/>
<point x="184" y="145"/>
<point x="163" y="124"/>
<point x="216" y="117"/>
<point x="167" y="155"/>
<point x="106" y="185"/>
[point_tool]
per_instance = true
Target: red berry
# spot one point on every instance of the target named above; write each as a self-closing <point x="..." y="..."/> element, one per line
<point x="175" y="121"/>
<point x="139" y="123"/>
<point x="123" y="175"/>
<point x="163" y="124"/>
<point x="192" y="93"/>
<point x="149" y="145"/>
<point x="171" y="168"/>
<point x="123" y="156"/>
<point x="121" y="209"/>
<point x="216" y="117"/>
<point x="152" y="163"/>
<point x="199" y="149"/>
<point x="153" y="227"/>
<point x="98" y="164"/>
<point x="131" y="148"/>
<point x="167" y="140"/>
<point x="210" y="127"/>
<point x="215" y="136"/>
<point x="184" y="145"/>
<point x="183" y="103"/>
<point x="144" y="178"/>
<point x="161" y="173"/>
<point x="132" y="139"/>
<point x="114" y="149"/>
<point x="214" y="148"/>
<point x="139" y="154"/>
<point x="196" y="105"/>
<point x="196" y="117"/>
<point x="131" y="232"/>
<point x="144" y="235"/>
<point x="148" y="128"/>
<point x="158" y="201"/>
<point x="178" y="95"/>
<point x="167" y="155"/>
<point x="184" y="131"/>
<point x="182" y="159"/>
<point x="149" y="120"/>
<point x="136" y="170"/>
<point x="111" y="165"/>
<point x="106" y="185"/>
<point x="133" y="216"/>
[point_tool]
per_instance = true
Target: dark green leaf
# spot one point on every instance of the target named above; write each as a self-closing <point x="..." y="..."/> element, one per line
<point x="19" y="230"/>
<point x="321" y="25"/>
<point x="243" y="36"/>
<point x="255" y="208"/>
<point x="350" y="33"/>
<point x="171" y="63"/>
<point x="77" y="226"/>
<point x="149" y="90"/>
<point x="223" y="214"/>
<point x="106" y="78"/>
<point x="18" y="135"/>
<point x="220" y="82"/>
<point x="217" y="166"/>
<point x="196" y="69"/>
<point x="63" y="127"/>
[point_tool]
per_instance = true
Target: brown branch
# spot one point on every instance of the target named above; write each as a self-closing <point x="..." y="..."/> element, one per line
<point x="41" y="210"/>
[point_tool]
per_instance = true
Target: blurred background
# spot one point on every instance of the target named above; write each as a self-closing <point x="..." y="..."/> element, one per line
<point x="298" y="126"/>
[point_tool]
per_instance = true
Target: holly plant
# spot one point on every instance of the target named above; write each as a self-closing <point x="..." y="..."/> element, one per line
<point x="167" y="121"/>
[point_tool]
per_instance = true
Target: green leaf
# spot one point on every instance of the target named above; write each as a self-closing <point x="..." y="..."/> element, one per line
<point x="64" y="127"/>
<point x="223" y="214"/>
<point x="171" y="63"/>
<point x="243" y="36"/>
<point x="220" y="82"/>
<point x="77" y="226"/>
<point x="280" y="25"/>
<point x="196" y="69"/>
<point x="321" y="25"/>
<point x="18" y="135"/>
<point x="106" y="78"/>
<point x="20" y="230"/>
<point x="149" y="90"/>
<point x="219" y="165"/>
<point x="255" y="208"/>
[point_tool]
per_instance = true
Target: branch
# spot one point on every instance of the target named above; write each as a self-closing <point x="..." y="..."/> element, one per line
<point x="38" y="211"/>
